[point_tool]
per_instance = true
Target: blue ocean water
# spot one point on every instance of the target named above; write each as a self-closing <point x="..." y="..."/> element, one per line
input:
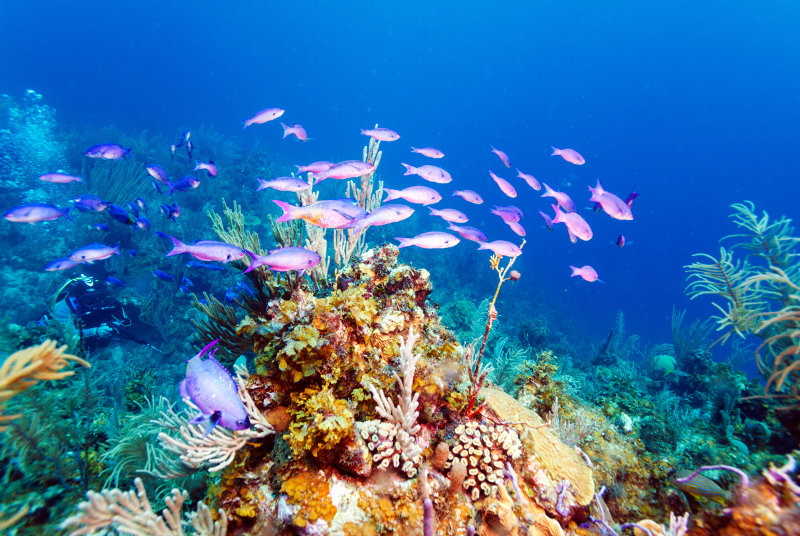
<point x="694" y="104"/>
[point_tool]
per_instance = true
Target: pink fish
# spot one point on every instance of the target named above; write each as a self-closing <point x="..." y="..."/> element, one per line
<point x="449" y="214"/>
<point x="569" y="155"/>
<point x="586" y="272"/>
<point x="414" y="194"/>
<point x="297" y="130"/>
<point x="328" y="214"/>
<point x="502" y="248"/>
<point x="93" y="252"/>
<point x="430" y="152"/>
<point x="207" y="250"/>
<point x="502" y="156"/>
<point x="316" y="167"/>
<point x="429" y="173"/>
<point x="284" y="184"/>
<point x="382" y="215"/>
<point x="263" y="117"/>
<point x="469" y="196"/>
<point x="284" y="259"/>
<point x="433" y="240"/>
<point x="547" y="220"/>
<point x="507" y="213"/>
<point x="345" y="170"/>
<point x="530" y="179"/>
<point x="470" y="233"/>
<point x="561" y="198"/>
<point x="210" y="168"/>
<point x="504" y="185"/>
<point x="576" y="225"/>
<point x="613" y="205"/>
<point x="381" y="134"/>
<point x="60" y="178"/>
<point x="516" y="227"/>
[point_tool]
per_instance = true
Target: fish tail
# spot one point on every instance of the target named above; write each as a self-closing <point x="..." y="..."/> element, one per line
<point x="414" y="150"/>
<point x="178" y="247"/>
<point x="255" y="261"/>
<point x="555" y="151"/>
<point x="393" y="194"/>
<point x="247" y="123"/>
<point x="285" y="130"/>
<point x="434" y="212"/>
<point x="483" y="245"/>
<point x="575" y="271"/>
<point x="404" y="242"/>
<point x="548" y="191"/>
<point x="287" y="211"/>
<point x="207" y="347"/>
<point x="558" y="214"/>
<point x="115" y="249"/>
<point x="364" y="132"/>
<point x="66" y="213"/>
<point x="410" y="170"/>
<point x="262" y="184"/>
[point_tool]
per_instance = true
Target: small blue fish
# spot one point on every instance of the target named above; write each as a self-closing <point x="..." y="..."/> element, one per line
<point x="184" y="289"/>
<point x="198" y="264"/>
<point x="172" y="149"/>
<point x="120" y="214"/>
<point x="203" y="301"/>
<point x="132" y="252"/>
<point x="245" y="288"/>
<point x="184" y="138"/>
<point x="189" y="149"/>
<point x="158" y="189"/>
<point x="142" y="205"/>
<point x="90" y="203"/>
<point x="187" y="282"/>
<point x="142" y="223"/>
<point x="186" y="183"/>
<point x="161" y="235"/>
<point x="133" y="208"/>
<point x="170" y="211"/>
<point x="112" y="281"/>
<point x="621" y="241"/>
<point x="211" y="388"/>
<point x="102" y="227"/>
<point x="161" y="274"/>
<point x="230" y="296"/>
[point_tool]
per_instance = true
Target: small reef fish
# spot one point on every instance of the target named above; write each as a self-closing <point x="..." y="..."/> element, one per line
<point x="430" y="152"/>
<point x="211" y="167"/>
<point x="184" y="138"/>
<point x="189" y="149"/>
<point x="119" y="214"/>
<point x="161" y="274"/>
<point x="197" y="264"/>
<point x="571" y="156"/>
<point x="156" y="187"/>
<point x="699" y="486"/>
<point x="186" y="282"/>
<point x="170" y="211"/>
<point x="207" y="250"/>
<point x="329" y="214"/>
<point x="429" y="173"/>
<point x="469" y="196"/>
<point x="230" y="296"/>
<point x="586" y="272"/>
<point x="348" y="169"/>
<point x="89" y="203"/>
<point x="283" y="184"/>
<point x="621" y="241"/>
<point x="36" y="212"/>
<point x="102" y="227"/>
<point x="561" y="198"/>
<point x="142" y="223"/>
<point x="141" y="204"/>
<point x="502" y="248"/>
<point x="108" y="151"/>
<point x="316" y="167"/>
<point x="297" y="130"/>
<point x="421" y="195"/>
<point x="470" y="233"/>
<point x="245" y="288"/>
<point x="508" y="214"/>
<point x="504" y="185"/>
<point x="432" y="240"/>
<point x="547" y="220"/>
<point x="172" y="150"/>
<point x="133" y="208"/>
<point x="159" y="234"/>
<point x="61" y="264"/>
<point x="60" y="178"/>
<point x="450" y="214"/>
<point x="503" y="156"/>
<point x="112" y="281"/>
<point x="576" y="225"/>
<point x="516" y="227"/>
<point x="263" y="116"/>
<point x="530" y="179"/>
<point x="211" y="388"/>
<point x="93" y="252"/>
<point x="158" y="173"/>
<point x="612" y="205"/>
<point x="382" y="215"/>
<point x="186" y="183"/>
<point x="132" y="252"/>
<point x="285" y="259"/>
<point x="381" y="134"/>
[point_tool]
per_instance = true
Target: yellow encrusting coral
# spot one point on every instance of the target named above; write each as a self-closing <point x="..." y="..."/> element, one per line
<point x="321" y="421"/>
<point x="311" y="493"/>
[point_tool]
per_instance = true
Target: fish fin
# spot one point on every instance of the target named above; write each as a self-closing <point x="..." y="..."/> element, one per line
<point x="600" y="281"/>
<point x="555" y="151"/>
<point x="66" y="213"/>
<point x="345" y="215"/>
<point x="558" y="214"/>
<point x="246" y="124"/>
<point x="572" y="237"/>
<point x="285" y="129"/>
<point x="178" y="246"/>
<point x="262" y="184"/>
<point x="182" y="390"/>
<point x="255" y="261"/>
<point x="287" y="211"/>
<point x="575" y="271"/>
<point x="392" y="195"/>
<point x="206" y="348"/>
<point x="599" y="188"/>
<point x="404" y="242"/>
<point x="197" y="419"/>
<point x="410" y="170"/>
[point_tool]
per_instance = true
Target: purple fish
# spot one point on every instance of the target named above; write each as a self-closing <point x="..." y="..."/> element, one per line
<point x="516" y="227"/>
<point x="211" y="388"/>
<point x="316" y="167"/>
<point x="504" y="185"/>
<point x="298" y="131"/>
<point x="414" y="194"/>
<point x="502" y="156"/>
<point x="586" y="272"/>
<point x="90" y="203"/>
<point x="612" y="205"/>
<point x="576" y="225"/>
<point x="211" y="167"/>
<point x="186" y="183"/>
<point x="61" y="264"/>
<point x="102" y="227"/>
<point x="263" y="116"/>
<point x="569" y="155"/>
<point x="530" y="179"/>
<point x="142" y="205"/>
<point x="158" y="173"/>
<point x="429" y="173"/>
<point x="629" y="200"/>
<point x="381" y="134"/>
<point x="120" y="214"/>
<point x="433" y="240"/>
<point x="561" y="198"/>
<point x="430" y="152"/>
<point x="284" y="184"/>
<point x="133" y="208"/>
<point x="502" y="248"/>
<point x="285" y="259"/>
<point x="509" y="214"/>
<point x="382" y="215"/>
<point x="108" y="151"/>
<point x="348" y="169"/>
<point x="470" y="233"/>
<point x="621" y="241"/>
<point x="60" y="178"/>
<point x="329" y="214"/>
<point x="93" y="252"/>
<point x="469" y="196"/>
<point x="161" y="274"/>
<point x="547" y="220"/>
<point x="36" y="212"/>
<point x="207" y="250"/>
<point x="142" y="223"/>
<point x="449" y="214"/>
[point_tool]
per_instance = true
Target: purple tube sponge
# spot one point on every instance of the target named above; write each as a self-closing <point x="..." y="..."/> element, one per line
<point x="427" y="521"/>
<point x="745" y="479"/>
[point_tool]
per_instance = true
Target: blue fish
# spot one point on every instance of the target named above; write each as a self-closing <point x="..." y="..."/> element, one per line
<point x="187" y="282"/>
<point x="161" y="235"/>
<point x="142" y="205"/>
<point x="183" y="288"/>
<point x="133" y="208"/>
<point x="198" y="264"/>
<point x="112" y="281"/>
<point x="230" y="295"/>
<point x="132" y="252"/>
<point x="245" y="288"/>
<point x="170" y="211"/>
<point x="119" y="214"/>
<point x="212" y="389"/>
<point x="102" y="227"/>
<point x="161" y="274"/>
<point x="142" y="223"/>
<point x="90" y="203"/>
<point x="186" y="183"/>
<point x="155" y="185"/>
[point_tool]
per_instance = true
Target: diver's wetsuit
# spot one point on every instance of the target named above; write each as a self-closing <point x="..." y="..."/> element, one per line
<point x="91" y="304"/>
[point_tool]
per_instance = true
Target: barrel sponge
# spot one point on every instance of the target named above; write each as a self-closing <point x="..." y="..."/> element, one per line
<point x="559" y="460"/>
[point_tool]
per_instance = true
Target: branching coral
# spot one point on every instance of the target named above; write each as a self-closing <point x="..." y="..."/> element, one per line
<point x="115" y="182"/>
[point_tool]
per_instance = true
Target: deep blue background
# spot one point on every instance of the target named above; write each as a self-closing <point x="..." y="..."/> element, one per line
<point x="695" y="103"/>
